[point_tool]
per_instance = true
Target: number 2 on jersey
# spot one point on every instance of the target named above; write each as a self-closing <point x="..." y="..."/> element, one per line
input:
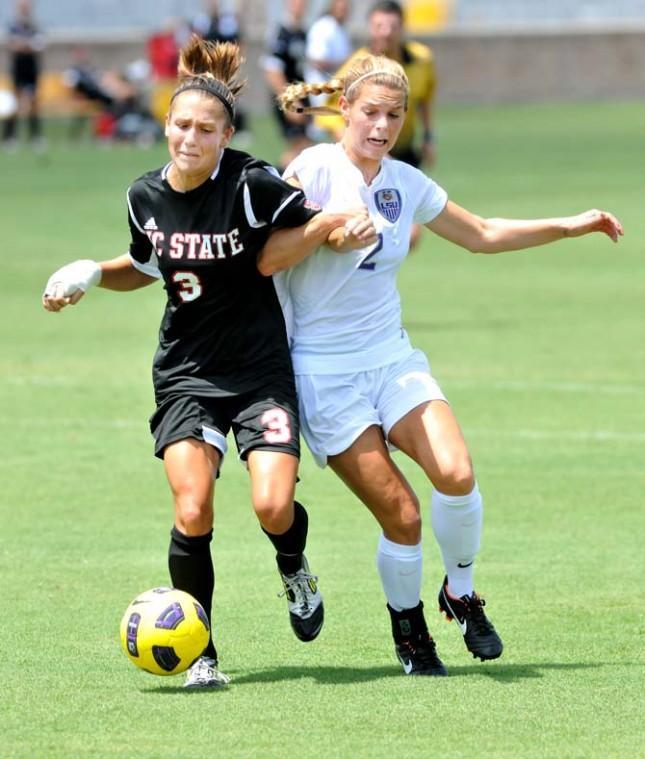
<point x="377" y="246"/>
<point x="190" y="287"/>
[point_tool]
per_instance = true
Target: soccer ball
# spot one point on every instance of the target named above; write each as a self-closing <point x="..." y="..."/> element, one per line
<point x="164" y="630"/>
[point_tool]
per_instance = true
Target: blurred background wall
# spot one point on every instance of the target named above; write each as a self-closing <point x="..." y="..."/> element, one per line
<point x="486" y="50"/>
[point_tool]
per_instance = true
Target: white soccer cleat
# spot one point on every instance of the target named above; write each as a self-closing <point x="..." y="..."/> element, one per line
<point x="306" y="611"/>
<point x="204" y="674"/>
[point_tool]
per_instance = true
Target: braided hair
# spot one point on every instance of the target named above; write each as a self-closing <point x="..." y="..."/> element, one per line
<point x="376" y="69"/>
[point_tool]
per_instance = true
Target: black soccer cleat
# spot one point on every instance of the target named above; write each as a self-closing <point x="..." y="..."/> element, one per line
<point x="306" y="610"/>
<point x="420" y="657"/>
<point x="480" y="636"/>
<point x="413" y="644"/>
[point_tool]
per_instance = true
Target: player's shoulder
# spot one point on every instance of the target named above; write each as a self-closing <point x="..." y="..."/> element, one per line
<point x="320" y="151"/>
<point x="417" y="51"/>
<point x="320" y="157"/>
<point x="151" y="181"/>
<point x="239" y="167"/>
<point x="238" y="161"/>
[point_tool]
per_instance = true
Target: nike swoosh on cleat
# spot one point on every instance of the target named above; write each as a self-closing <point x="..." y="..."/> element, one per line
<point x="407" y="667"/>
<point x="462" y="625"/>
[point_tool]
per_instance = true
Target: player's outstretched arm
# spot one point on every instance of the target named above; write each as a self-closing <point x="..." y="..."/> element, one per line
<point x="287" y="247"/>
<point x="480" y="235"/>
<point x="67" y="286"/>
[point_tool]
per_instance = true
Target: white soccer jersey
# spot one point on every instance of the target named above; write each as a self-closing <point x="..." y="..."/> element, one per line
<point x="343" y="309"/>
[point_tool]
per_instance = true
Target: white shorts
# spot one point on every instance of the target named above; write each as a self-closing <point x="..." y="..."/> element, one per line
<point x="335" y="409"/>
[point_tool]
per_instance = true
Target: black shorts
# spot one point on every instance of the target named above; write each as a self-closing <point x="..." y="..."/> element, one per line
<point x="24" y="73"/>
<point x="265" y="418"/>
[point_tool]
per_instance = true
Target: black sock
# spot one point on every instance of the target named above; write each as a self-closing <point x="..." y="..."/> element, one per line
<point x="291" y="544"/>
<point x="191" y="570"/>
<point x="9" y="128"/>
<point x="408" y="624"/>
<point x="35" y="129"/>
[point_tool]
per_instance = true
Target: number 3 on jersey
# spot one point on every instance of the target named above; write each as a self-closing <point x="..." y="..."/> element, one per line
<point x="366" y="263"/>
<point x="190" y="287"/>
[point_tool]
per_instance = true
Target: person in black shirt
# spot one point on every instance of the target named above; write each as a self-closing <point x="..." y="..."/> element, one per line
<point x="200" y="223"/>
<point x="25" y="43"/>
<point x="282" y="66"/>
<point x="221" y="25"/>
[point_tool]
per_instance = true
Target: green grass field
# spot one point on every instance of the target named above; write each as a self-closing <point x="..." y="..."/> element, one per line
<point x="543" y="357"/>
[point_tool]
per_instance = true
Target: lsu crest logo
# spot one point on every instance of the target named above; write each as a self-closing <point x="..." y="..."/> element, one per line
<point x="388" y="203"/>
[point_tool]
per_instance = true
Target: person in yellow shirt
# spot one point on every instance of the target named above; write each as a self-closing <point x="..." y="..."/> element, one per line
<point x="386" y="33"/>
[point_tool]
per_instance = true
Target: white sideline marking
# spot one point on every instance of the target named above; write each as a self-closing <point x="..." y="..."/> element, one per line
<point x="602" y="388"/>
<point x="76" y="423"/>
<point x="598" y="436"/>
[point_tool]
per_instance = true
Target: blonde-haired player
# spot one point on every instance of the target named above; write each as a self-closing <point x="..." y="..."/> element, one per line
<point x="361" y="384"/>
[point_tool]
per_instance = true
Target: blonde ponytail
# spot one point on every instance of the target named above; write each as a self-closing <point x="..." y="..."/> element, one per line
<point x="372" y="68"/>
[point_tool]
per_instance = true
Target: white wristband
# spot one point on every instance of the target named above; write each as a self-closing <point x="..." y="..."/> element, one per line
<point x="79" y="275"/>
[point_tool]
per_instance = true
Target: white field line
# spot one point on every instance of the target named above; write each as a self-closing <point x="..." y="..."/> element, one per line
<point x="602" y="388"/>
<point x="581" y="436"/>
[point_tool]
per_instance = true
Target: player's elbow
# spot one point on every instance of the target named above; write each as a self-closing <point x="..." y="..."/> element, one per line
<point x="267" y="266"/>
<point x="475" y="244"/>
<point x="483" y="240"/>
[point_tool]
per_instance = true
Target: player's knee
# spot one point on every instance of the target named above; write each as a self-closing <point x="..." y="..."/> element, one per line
<point x="193" y="514"/>
<point x="274" y="513"/>
<point x="455" y="476"/>
<point x="404" y="526"/>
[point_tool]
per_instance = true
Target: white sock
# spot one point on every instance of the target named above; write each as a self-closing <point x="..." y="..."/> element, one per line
<point x="400" y="568"/>
<point x="457" y="525"/>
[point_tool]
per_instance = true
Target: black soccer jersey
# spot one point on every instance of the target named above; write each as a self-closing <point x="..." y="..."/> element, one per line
<point x="288" y="47"/>
<point x="222" y="332"/>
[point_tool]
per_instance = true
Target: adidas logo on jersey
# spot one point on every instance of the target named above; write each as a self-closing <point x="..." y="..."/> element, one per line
<point x="150" y="224"/>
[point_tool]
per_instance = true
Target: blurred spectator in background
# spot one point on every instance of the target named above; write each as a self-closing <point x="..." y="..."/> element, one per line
<point x="163" y="54"/>
<point x="386" y="36"/>
<point x="121" y="110"/>
<point x="25" y="43"/>
<point x="328" y="45"/>
<point x="283" y="65"/>
<point x="219" y="24"/>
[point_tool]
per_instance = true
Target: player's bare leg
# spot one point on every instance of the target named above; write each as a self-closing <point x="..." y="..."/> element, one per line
<point x="430" y="435"/>
<point x="368" y="470"/>
<point x="285" y="522"/>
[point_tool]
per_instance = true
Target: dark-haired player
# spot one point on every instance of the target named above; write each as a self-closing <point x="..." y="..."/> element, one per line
<point x="223" y="361"/>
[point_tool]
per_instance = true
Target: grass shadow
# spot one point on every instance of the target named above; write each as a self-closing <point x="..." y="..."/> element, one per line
<point x="326" y="675"/>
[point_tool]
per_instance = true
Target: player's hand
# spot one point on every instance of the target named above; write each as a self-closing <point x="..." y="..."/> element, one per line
<point x="594" y="221"/>
<point x="69" y="284"/>
<point x="359" y="230"/>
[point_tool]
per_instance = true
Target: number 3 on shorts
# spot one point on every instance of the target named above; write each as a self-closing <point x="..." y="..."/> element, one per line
<point x="278" y="429"/>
